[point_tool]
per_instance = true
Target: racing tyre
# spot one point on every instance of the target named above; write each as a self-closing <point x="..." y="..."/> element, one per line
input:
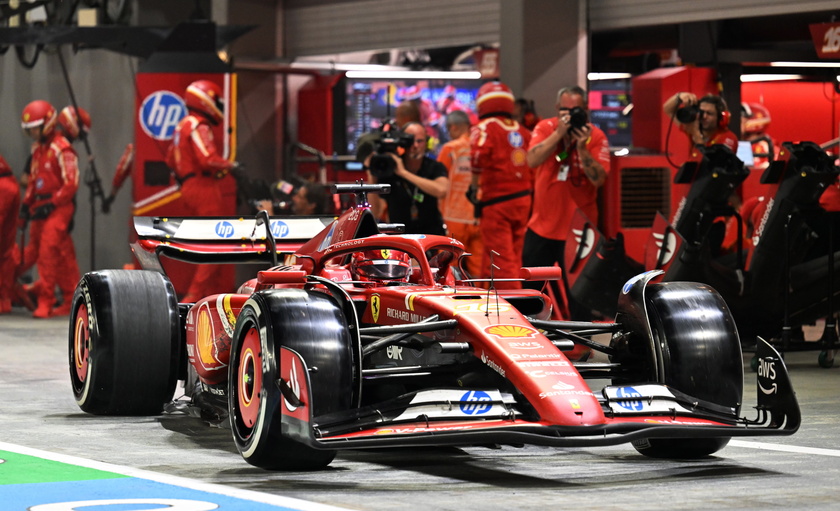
<point x="701" y="356"/>
<point x="312" y="325"/>
<point x="124" y="342"/>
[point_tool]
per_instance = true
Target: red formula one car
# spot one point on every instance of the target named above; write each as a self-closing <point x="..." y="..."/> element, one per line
<point x="364" y="339"/>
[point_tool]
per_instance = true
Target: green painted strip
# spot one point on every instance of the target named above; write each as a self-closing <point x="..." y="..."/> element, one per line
<point x="21" y="469"/>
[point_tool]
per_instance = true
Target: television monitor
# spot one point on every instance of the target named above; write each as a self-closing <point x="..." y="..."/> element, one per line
<point x="369" y="102"/>
<point x="607" y="101"/>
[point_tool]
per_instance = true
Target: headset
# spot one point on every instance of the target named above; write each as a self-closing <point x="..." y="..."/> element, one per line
<point x="723" y="113"/>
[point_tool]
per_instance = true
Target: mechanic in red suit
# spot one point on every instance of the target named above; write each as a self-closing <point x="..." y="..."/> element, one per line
<point x="711" y="126"/>
<point x="48" y="205"/>
<point x="73" y="124"/>
<point x="9" y="257"/>
<point x="502" y="180"/>
<point x="199" y="168"/>
<point x="571" y="164"/>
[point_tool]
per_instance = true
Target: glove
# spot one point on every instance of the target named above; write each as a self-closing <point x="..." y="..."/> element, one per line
<point x="43" y="211"/>
<point x="472" y="196"/>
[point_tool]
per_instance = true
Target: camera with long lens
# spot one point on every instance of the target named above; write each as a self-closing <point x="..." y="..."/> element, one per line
<point x="578" y="118"/>
<point x="688" y="113"/>
<point x="382" y="165"/>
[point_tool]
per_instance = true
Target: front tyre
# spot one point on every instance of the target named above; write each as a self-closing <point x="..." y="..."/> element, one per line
<point x="124" y="342"/>
<point x="701" y="356"/>
<point x="311" y="324"/>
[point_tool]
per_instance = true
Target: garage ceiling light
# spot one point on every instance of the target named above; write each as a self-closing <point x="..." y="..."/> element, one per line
<point x="804" y="64"/>
<point x="768" y="77"/>
<point x="607" y="76"/>
<point x="408" y="75"/>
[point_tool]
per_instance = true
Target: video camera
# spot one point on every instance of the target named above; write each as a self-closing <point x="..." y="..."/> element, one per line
<point x="382" y="145"/>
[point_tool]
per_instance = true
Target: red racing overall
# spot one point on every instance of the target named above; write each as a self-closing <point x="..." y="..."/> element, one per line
<point x="53" y="182"/>
<point x="9" y="258"/>
<point x="199" y="168"/>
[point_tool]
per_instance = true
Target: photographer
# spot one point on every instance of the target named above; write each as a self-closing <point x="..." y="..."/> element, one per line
<point x="572" y="159"/>
<point x="705" y="121"/>
<point x="417" y="181"/>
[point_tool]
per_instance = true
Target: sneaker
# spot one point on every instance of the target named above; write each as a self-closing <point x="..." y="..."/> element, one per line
<point x="61" y="310"/>
<point x="43" y="311"/>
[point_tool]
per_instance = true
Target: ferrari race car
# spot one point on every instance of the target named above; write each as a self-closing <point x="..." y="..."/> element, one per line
<point x="364" y="338"/>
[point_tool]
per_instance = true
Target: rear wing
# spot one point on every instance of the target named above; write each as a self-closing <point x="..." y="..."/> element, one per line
<point x="222" y="239"/>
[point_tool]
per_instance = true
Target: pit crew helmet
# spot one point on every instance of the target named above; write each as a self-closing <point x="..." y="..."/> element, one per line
<point x="380" y="266"/>
<point x="756" y="118"/>
<point x="206" y="97"/>
<point x="71" y="123"/>
<point x="39" y="113"/>
<point x="494" y="98"/>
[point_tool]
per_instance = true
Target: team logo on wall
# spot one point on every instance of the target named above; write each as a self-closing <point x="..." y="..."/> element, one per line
<point x="160" y="112"/>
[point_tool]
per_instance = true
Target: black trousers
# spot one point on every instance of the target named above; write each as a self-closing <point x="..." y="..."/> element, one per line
<point x="540" y="251"/>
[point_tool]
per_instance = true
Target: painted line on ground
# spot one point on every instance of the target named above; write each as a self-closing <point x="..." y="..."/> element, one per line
<point x="182" y="482"/>
<point x="784" y="448"/>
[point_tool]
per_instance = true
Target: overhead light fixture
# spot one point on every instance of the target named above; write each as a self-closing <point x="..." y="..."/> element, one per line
<point x="415" y="75"/>
<point x="804" y="64"/>
<point x="343" y="66"/>
<point x="607" y="76"/>
<point x="769" y="78"/>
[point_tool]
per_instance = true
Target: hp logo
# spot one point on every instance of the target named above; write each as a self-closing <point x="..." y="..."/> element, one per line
<point x="477" y="402"/>
<point x="224" y="229"/>
<point x="160" y="113"/>
<point x="625" y="392"/>
<point x="279" y="229"/>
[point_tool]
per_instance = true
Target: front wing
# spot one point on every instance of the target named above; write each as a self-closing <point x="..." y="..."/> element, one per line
<point x="473" y="417"/>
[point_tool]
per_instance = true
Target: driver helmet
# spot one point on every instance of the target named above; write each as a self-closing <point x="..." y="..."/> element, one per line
<point x="382" y="266"/>
<point x="494" y="98"/>
<point x="39" y="113"/>
<point x="206" y="97"/>
<point x="73" y="124"/>
<point x="756" y="118"/>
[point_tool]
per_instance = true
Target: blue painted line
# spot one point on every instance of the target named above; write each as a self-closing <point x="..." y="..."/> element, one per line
<point x="140" y="491"/>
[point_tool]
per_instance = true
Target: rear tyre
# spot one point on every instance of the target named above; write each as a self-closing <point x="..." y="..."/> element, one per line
<point x="701" y="356"/>
<point x="313" y="325"/>
<point x="124" y="342"/>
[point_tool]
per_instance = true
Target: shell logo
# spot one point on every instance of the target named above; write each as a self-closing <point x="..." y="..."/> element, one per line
<point x="518" y="157"/>
<point x="204" y="338"/>
<point x="511" y="331"/>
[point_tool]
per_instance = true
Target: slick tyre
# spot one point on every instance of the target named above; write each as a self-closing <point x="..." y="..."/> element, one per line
<point x="701" y="356"/>
<point x="124" y="342"/>
<point x="311" y="324"/>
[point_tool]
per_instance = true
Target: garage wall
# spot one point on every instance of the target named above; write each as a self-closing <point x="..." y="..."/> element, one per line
<point x="614" y="14"/>
<point x="323" y="28"/>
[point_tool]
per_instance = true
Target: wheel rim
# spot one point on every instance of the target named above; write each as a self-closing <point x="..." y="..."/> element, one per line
<point x="81" y="343"/>
<point x="249" y="379"/>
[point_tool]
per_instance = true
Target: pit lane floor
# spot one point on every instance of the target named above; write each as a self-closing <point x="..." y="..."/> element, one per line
<point x="799" y="472"/>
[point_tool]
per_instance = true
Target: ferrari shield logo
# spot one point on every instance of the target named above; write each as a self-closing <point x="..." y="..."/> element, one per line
<point x="374" y="308"/>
